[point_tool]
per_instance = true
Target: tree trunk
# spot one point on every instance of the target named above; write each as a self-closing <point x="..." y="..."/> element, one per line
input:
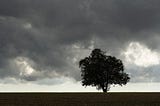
<point x="104" y="90"/>
<point x="105" y="84"/>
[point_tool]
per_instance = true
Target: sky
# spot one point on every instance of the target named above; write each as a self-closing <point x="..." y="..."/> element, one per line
<point x="42" y="41"/>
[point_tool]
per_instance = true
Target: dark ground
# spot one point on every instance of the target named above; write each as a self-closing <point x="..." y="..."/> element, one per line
<point x="79" y="99"/>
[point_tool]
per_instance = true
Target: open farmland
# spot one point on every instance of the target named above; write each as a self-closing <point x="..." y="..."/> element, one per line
<point x="80" y="99"/>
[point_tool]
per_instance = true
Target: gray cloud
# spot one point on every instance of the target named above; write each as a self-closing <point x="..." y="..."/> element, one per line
<point x="44" y="32"/>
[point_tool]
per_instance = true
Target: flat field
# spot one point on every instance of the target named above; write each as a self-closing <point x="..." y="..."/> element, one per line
<point x="79" y="99"/>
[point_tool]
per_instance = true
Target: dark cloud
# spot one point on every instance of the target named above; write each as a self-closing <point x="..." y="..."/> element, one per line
<point x="44" y="33"/>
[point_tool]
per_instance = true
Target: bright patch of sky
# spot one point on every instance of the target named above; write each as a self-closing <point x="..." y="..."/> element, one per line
<point x="27" y="25"/>
<point x="25" y="68"/>
<point x="141" y="55"/>
<point x="70" y="86"/>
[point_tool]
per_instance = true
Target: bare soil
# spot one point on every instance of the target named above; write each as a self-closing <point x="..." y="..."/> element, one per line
<point x="79" y="99"/>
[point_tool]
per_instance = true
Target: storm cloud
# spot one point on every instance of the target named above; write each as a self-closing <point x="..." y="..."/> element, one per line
<point x="46" y="39"/>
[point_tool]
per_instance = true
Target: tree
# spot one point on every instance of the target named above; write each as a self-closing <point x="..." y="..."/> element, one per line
<point x="102" y="71"/>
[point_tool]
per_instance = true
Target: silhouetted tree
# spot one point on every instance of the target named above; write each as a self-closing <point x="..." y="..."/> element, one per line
<point x="102" y="71"/>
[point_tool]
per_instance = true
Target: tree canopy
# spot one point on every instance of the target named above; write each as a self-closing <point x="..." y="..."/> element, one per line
<point x="101" y="70"/>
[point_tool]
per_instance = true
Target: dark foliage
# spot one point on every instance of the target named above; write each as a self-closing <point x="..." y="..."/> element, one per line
<point x="102" y="71"/>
